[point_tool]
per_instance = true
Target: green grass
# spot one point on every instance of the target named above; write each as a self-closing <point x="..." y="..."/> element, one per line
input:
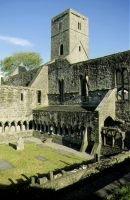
<point x="122" y="193"/>
<point x="25" y="161"/>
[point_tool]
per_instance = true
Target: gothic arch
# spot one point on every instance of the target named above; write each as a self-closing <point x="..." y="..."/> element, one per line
<point x="109" y="122"/>
<point x="6" y="126"/>
<point x="12" y="126"/>
<point x="24" y="125"/>
<point x="19" y="126"/>
<point x="61" y="50"/>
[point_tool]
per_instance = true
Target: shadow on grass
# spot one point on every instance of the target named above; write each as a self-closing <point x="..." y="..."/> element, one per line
<point x="84" y="189"/>
<point x="13" y="146"/>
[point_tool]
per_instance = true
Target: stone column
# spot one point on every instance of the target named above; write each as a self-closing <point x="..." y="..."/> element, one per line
<point x="123" y="142"/>
<point x="58" y="130"/>
<point x="15" y="126"/>
<point x="2" y="128"/>
<point x="104" y="139"/>
<point x="21" y="126"/>
<point x="129" y="90"/>
<point x="84" y="141"/>
<point x="27" y="125"/>
<point x="51" y="176"/>
<point x="113" y="140"/>
<point x="122" y="85"/>
<point x="9" y="126"/>
<point x="40" y="127"/>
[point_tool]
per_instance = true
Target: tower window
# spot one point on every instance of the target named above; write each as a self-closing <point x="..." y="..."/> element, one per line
<point x="39" y="96"/>
<point x="79" y="48"/>
<point x="79" y="25"/>
<point x="61" y="50"/>
<point x="21" y="96"/>
<point x="60" y="26"/>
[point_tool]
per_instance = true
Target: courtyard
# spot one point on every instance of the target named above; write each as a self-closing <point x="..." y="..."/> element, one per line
<point x="35" y="159"/>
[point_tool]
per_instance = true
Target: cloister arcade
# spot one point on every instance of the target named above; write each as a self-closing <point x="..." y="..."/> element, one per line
<point x="75" y="131"/>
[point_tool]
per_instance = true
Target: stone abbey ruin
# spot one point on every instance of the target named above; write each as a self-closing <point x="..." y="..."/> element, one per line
<point x="83" y="103"/>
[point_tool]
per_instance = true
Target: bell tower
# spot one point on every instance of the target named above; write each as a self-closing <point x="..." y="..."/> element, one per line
<point x="69" y="36"/>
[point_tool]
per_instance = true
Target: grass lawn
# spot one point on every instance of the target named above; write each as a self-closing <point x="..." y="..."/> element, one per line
<point x="25" y="162"/>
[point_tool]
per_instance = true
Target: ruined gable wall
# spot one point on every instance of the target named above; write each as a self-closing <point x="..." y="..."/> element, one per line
<point x="21" y="79"/>
<point x="40" y="82"/>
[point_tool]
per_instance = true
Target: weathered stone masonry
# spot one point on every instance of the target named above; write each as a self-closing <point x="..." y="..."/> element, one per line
<point x="86" y="102"/>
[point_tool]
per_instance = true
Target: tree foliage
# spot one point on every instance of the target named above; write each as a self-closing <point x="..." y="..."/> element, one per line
<point x="30" y="60"/>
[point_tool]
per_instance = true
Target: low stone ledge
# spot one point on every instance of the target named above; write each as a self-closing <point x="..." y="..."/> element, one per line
<point x="66" y="178"/>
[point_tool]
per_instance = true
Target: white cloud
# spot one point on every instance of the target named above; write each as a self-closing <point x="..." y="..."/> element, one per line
<point x="16" y="41"/>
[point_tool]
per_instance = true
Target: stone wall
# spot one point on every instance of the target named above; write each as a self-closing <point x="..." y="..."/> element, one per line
<point x="40" y="82"/>
<point x="101" y="74"/>
<point x="66" y="178"/>
<point x="65" y="30"/>
<point x="99" y="78"/>
<point x="70" y="122"/>
<point x="122" y="111"/>
<point x="12" y="107"/>
<point x="59" y="36"/>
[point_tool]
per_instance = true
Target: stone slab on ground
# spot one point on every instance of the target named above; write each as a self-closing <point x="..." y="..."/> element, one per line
<point x="4" y="165"/>
<point x="42" y="158"/>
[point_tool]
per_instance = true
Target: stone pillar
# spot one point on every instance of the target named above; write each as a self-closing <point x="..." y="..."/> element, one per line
<point x="113" y="140"/>
<point x="21" y="126"/>
<point x="2" y="128"/>
<point x="123" y="142"/>
<point x="97" y="157"/>
<point x="122" y="75"/>
<point x="15" y="126"/>
<point x="27" y="125"/>
<point x="129" y="90"/>
<point x="40" y="127"/>
<point x="104" y="139"/>
<point x="51" y="176"/>
<point x="58" y="129"/>
<point x="33" y="180"/>
<point x="9" y="126"/>
<point x="84" y="141"/>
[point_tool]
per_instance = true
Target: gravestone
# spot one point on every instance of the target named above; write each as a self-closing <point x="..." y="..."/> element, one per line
<point x="20" y="144"/>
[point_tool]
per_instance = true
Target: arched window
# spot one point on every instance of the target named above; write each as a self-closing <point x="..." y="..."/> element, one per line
<point x="21" y="96"/>
<point x="84" y="87"/>
<point x="39" y="96"/>
<point x="61" y="90"/>
<point x="61" y="49"/>
<point x="79" y="25"/>
<point x="79" y="48"/>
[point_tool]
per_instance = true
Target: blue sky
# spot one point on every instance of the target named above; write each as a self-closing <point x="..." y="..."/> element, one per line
<point x="25" y="25"/>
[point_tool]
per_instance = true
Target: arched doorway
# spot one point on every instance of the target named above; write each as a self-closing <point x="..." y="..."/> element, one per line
<point x="109" y="122"/>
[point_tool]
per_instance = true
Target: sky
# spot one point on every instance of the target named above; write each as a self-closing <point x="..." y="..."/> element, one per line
<point x="25" y="25"/>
